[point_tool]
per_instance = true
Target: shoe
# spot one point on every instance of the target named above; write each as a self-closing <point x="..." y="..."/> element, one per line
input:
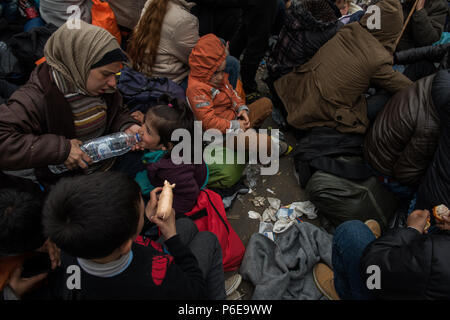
<point x="232" y="283"/>
<point x="323" y="278"/>
<point x="285" y="149"/>
<point x="252" y="97"/>
<point x="374" y="226"/>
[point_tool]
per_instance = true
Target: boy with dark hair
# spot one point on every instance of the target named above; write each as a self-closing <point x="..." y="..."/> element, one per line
<point x="97" y="225"/>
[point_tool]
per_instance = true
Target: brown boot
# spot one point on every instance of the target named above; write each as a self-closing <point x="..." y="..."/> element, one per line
<point x="374" y="226"/>
<point x="323" y="278"/>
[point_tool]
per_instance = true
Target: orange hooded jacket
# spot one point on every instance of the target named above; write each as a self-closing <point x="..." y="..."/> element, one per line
<point x="217" y="108"/>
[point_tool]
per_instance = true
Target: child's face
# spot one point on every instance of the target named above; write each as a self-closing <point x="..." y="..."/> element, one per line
<point x="150" y="137"/>
<point x="218" y="76"/>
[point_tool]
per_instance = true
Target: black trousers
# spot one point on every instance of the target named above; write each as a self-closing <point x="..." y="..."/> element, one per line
<point x="252" y="39"/>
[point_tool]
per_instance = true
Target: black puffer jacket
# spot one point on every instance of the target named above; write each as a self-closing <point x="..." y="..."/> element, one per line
<point x="402" y="141"/>
<point x="412" y="265"/>
<point x="436" y="54"/>
<point x="303" y="33"/>
<point x="435" y="189"/>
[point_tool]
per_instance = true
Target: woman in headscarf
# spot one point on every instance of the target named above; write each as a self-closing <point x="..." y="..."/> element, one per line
<point x="68" y="99"/>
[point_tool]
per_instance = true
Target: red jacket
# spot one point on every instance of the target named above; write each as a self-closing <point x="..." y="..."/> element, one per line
<point x="217" y="108"/>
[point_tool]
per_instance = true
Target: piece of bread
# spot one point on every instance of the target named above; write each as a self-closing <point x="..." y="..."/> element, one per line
<point x="440" y="211"/>
<point x="165" y="200"/>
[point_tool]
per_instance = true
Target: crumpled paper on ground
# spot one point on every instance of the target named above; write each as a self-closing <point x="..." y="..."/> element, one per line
<point x="283" y="217"/>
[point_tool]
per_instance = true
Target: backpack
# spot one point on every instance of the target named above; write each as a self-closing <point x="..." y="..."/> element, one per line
<point x="140" y="92"/>
<point x="103" y="16"/>
<point x="340" y="199"/>
<point x="209" y="215"/>
<point x="320" y="148"/>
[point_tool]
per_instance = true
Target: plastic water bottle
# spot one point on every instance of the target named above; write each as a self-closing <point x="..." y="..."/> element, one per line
<point x="105" y="147"/>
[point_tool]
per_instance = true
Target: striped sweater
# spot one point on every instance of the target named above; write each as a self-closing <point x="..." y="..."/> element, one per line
<point x="89" y="112"/>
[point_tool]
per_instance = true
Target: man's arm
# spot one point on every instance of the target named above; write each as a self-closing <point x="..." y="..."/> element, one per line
<point x="427" y="22"/>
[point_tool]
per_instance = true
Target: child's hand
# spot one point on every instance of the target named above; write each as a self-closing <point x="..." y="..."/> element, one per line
<point x="53" y="252"/>
<point x="150" y="209"/>
<point x="243" y="119"/>
<point x="244" y="125"/>
<point x="134" y="129"/>
<point x="20" y="285"/>
<point x="418" y="220"/>
<point x="166" y="225"/>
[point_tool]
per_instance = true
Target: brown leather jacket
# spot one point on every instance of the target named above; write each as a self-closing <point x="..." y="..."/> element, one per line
<point x="36" y="124"/>
<point x="402" y="141"/>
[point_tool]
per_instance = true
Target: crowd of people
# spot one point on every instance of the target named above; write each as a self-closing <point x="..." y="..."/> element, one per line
<point x="376" y="71"/>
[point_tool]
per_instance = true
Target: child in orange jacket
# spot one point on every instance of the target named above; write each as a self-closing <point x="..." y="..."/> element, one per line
<point x="214" y="101"/>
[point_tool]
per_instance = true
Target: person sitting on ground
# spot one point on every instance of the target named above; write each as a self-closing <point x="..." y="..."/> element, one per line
<point x="68" y="99"/>
<point x="213" y="100"/>
<point x="21" y="237"/>
<point x="96" y="220"/>
<point x="163" y="39"/>
<point x="426" y="24"/>
<point x="156" y="131"/>
<point x="404" y="263"/>
<point x="309" y="24"/>
<point x="318" y="93"/>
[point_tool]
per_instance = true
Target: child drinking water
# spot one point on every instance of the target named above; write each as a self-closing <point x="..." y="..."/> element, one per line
<point x="156" y="132"/>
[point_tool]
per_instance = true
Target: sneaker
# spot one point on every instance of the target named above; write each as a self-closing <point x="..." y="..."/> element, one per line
<point x="374" y="226"/>
<point x="285" y="149"/>
<point x="323" y="278"/>
<point x="252" y="97"/>
<point x="232" y="283"/>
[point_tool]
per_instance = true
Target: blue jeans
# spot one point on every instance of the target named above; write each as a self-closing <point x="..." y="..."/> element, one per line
<point x="349" y="242"/>
<point x="233" y="67"/>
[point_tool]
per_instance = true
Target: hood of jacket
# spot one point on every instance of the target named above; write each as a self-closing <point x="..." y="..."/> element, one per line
<point x="390" y="25"/>
<point x="207" y="55"/>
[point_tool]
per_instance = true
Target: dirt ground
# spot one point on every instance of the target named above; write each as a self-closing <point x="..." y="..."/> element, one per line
<point x="285" y="187"/>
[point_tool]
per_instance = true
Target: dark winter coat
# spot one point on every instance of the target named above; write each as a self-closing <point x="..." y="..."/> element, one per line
<point x="412" y="265"/>
<point x="435" y="189"/>
<point x="402" y="141"/>
<point x="189" y="178"/>
<point x="425" y="26"/>
<point x="36" y="124"/>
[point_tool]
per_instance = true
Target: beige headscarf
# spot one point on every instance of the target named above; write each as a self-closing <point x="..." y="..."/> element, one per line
<point x="72" y="52"/>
